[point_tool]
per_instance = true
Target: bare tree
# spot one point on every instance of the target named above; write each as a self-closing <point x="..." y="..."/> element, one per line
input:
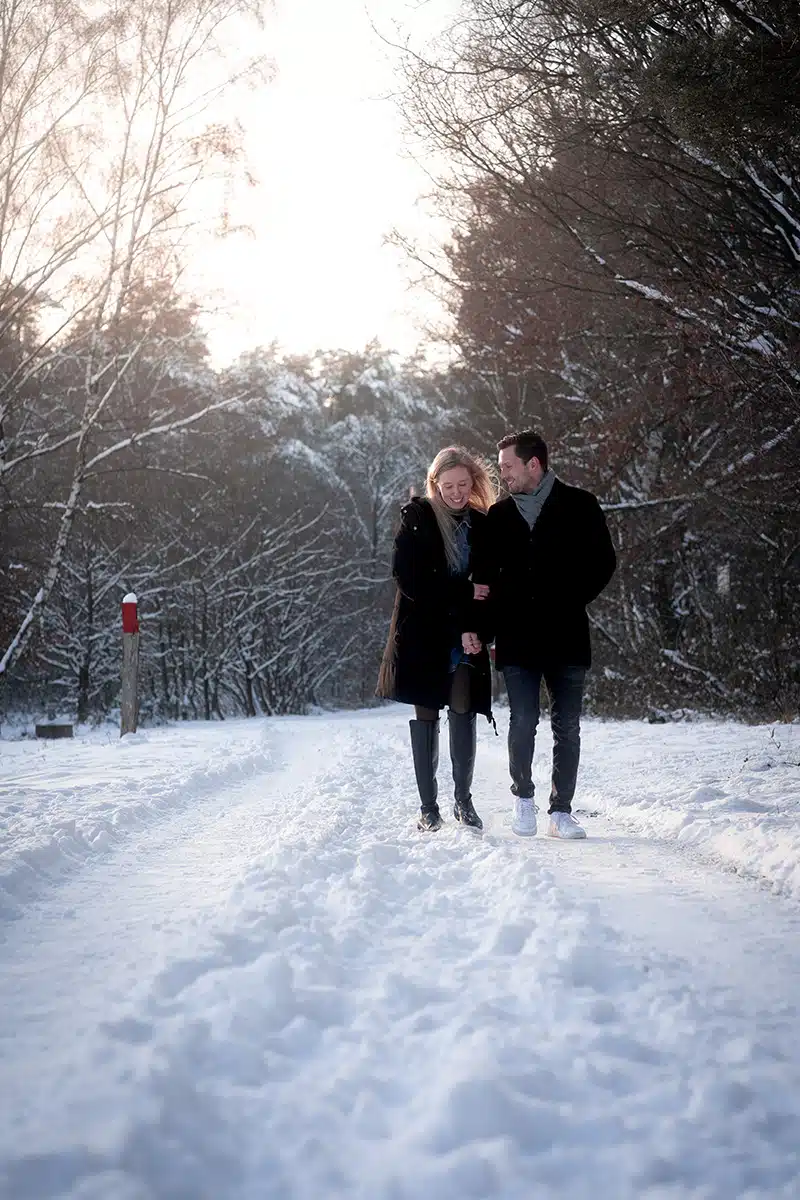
<point x="109" y="153"/>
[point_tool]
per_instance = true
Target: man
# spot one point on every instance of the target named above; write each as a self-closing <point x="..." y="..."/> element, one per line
<point x="551" y="555"/>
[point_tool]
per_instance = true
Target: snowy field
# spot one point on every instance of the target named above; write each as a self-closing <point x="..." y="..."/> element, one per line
<point x="233" y="970"/>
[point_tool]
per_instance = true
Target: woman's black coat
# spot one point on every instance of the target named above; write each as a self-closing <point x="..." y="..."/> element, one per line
<point x="432" y="609"/>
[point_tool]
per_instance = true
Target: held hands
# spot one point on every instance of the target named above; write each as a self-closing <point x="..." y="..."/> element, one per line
<point x="481" y="591"/>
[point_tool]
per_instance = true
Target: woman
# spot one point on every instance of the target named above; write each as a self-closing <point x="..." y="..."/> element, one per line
<point x="436" y="653"/>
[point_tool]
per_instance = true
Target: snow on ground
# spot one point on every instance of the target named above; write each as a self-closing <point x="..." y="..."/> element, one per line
<point x="728" y="791"/>
<point x="232" y="970"/>
<point x="65" y="802"/>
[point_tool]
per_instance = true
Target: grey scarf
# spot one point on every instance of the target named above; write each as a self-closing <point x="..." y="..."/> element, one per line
<point x="530" y="504"/>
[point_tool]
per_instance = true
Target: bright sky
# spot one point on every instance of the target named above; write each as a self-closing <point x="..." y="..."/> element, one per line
<point x="325" y="142"/>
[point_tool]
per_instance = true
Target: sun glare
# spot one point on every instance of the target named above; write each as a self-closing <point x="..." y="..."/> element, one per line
<point x="325" y="143"/>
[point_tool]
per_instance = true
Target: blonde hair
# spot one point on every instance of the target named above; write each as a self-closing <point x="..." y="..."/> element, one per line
<point x="482" y="496"/>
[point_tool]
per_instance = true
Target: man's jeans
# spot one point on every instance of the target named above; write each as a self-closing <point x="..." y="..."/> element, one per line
<point x="565" y="688"/>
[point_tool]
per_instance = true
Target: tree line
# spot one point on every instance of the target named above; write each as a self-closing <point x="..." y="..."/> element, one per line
<point x="621" y="183"/>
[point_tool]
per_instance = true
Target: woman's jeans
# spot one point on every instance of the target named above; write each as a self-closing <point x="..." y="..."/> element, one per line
<point x="565" y="688"/>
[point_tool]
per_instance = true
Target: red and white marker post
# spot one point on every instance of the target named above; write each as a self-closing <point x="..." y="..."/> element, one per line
<point x="129" y="700"/>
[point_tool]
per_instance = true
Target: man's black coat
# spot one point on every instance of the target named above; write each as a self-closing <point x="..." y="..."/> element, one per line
<point x="542" y="579"/>
<point x="432" y="609"/>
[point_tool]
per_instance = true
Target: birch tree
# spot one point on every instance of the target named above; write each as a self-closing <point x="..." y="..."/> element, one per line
<point x="109" y="156"/>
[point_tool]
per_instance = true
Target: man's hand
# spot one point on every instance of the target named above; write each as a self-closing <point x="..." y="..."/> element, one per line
<point x="471" y="643"/>
<point x="481" y="591"/>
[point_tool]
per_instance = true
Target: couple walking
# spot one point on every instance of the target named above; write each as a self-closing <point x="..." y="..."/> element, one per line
<point x="520" y="571"/>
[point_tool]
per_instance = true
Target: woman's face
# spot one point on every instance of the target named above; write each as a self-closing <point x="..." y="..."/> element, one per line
<point x="455" y="487"/>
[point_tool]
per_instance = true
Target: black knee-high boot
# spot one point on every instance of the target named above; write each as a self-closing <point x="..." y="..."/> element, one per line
<point x="425" y="749"/>
<point x="462" y="756"/>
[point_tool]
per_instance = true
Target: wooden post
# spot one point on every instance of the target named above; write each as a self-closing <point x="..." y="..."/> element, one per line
<point x="129" y="701"/>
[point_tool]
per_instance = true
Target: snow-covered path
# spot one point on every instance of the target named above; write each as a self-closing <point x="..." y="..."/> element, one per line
<point x="264" y="983"/>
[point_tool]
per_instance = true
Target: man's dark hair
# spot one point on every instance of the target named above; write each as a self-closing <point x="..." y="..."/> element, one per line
<point x="527" y="444"/>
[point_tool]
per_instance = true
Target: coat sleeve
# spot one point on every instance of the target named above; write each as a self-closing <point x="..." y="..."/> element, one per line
<point x="600" y="560"/>
<point x="480" y="565"/>
<point x="415" y="575"/>
<point x="477" y="616"/>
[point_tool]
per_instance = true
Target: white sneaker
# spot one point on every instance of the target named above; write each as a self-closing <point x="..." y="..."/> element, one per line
<point x="564" y="825"/>
<point x="523" y="822"/>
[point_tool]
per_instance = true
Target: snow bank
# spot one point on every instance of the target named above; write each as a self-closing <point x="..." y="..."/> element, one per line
<point x="730" y="792"/>
<point x="65" y="802"/>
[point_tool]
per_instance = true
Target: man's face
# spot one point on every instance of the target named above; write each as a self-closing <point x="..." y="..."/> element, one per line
<point x="517" y="475"/>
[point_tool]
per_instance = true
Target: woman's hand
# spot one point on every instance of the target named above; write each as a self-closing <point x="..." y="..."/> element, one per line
<point x="481" y="591"/>
<point x="471" y="643"/>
